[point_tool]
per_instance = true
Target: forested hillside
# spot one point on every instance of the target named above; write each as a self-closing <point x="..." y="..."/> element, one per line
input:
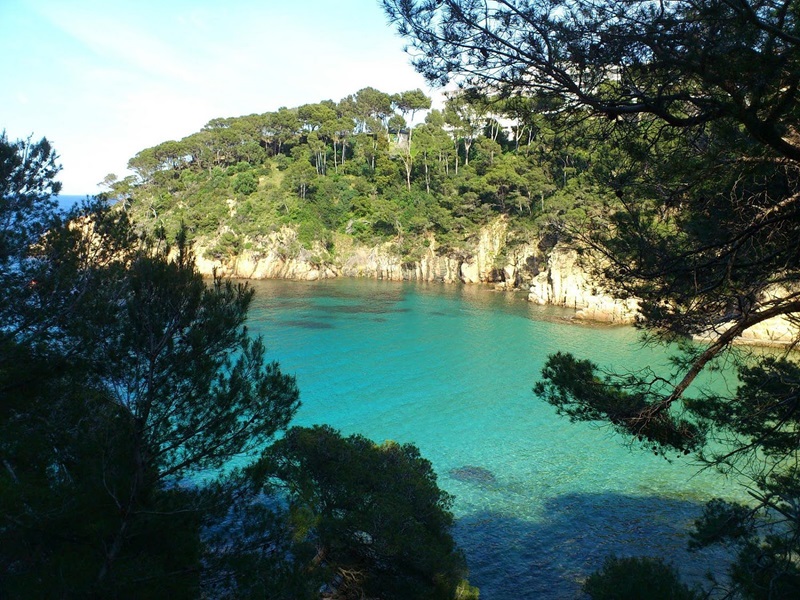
<point x="374" y="168"/>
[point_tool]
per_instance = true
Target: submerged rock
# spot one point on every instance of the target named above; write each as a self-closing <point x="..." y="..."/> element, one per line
<point x="473" y="474"/>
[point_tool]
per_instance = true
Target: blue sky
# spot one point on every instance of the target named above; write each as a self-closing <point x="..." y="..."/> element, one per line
<point x="105" y="79"/>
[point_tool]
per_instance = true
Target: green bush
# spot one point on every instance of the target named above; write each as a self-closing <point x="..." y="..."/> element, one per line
<point x="638" y="578"/>
<point x="245" y="183"/>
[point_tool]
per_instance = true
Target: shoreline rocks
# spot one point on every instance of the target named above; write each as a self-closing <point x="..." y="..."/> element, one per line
<point x="279" y="255"/>
<point x="566" y="283"/>
<point x="563" y="281"/>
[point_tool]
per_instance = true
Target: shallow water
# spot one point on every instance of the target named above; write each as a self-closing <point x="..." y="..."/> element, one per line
<point x="539" y="501"/>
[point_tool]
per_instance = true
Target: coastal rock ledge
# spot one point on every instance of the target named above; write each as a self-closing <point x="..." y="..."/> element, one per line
<point x="565" y="282"/>
<point x="486" y="258"/>
<point x="561" y="280"/>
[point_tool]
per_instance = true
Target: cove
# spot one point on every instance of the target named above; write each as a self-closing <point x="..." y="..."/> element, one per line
<point x="539" y="502"/>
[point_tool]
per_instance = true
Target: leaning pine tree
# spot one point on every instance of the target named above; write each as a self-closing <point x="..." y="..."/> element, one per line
<point x="701" y="99"/>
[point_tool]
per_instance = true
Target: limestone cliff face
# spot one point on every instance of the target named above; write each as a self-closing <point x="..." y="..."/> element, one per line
<point x="280" y="256"/>
<point x="565" y="282"/>
<point x="494" y="257"/>
<point x="777" y="331"/>
<point x="480" y="266"/>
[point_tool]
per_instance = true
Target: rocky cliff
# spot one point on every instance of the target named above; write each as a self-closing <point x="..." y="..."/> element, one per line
<point x="485" y="259"/>
<point x="566" y="282"/>
<point x="777" y="331"/>
<point x="561" y="279"/>
<point x="493" y="256"/>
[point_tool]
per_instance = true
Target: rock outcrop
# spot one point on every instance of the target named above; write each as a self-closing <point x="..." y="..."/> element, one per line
<point x="777" y="331"/>
<point x="493" y="257"/>
<point x="279" y="255"/>
<point x="480" y="266"/>
<point x="566" y="282"/>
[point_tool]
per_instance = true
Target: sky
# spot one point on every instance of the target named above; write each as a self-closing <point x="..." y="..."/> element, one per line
<point x="104" y="79"/>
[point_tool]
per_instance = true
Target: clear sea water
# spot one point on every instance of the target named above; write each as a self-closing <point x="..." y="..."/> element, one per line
<point x="67" y="202"/>
<point x="539" y="501"/>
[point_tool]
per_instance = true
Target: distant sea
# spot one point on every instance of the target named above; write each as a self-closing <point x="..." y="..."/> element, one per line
<point x="66" y="202"/>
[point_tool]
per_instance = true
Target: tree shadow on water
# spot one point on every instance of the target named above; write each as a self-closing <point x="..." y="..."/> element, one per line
<point x="547" y="556"/>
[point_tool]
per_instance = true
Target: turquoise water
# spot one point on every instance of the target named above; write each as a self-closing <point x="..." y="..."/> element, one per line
<point x="539" y="501"/>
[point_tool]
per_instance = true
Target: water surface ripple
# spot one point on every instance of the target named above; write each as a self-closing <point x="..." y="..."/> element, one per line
<point x="539" y="501"/>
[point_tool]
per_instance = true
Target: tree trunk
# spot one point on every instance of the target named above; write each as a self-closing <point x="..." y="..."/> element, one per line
<point x="335" y="157"/>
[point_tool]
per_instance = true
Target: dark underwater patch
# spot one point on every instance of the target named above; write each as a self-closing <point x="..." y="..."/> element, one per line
<point x="307" y="324"/>
<point x="473" y="474"/>
<point x="351" y="309"/>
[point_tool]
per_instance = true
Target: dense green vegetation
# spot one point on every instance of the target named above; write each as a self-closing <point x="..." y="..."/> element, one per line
<point x="703" y="98"/>
<point x="368" y="170"/>
<point x="663" y="136"/>
<point x="128" y="384"/>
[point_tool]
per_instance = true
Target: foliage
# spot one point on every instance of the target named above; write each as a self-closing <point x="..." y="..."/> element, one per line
<point x="128" y="386"/>
<point x="350" y="168"/>
<point x="638" y="579"/>
<point x="700" y="105"/>
<point x="575" y="389"/>
<point x="245" y="183"/>
<point x="133" y="374"/>
<point x="378" y="521"/>
<point x="27" y="209"/>
<point x="27" y="172"/>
